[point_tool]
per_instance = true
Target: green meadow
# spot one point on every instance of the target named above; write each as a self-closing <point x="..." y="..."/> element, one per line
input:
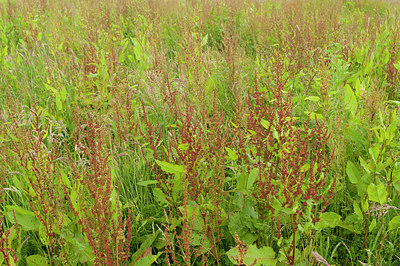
<point x="199" y="132"/>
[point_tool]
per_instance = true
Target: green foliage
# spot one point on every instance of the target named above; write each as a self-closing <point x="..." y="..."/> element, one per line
<point x="254" y="256"/>
<point x="199" y="132"/>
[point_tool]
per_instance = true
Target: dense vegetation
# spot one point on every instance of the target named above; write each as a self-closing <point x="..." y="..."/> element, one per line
<point x="199" y="132"/>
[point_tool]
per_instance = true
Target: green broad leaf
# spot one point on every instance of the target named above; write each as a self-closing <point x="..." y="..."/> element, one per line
<point x="60" y="47"/>
<point x="372" y="225"/>
<point x="265" y="123"/>
<point x="253" y="176"/>
<point x="59" y="104"/>
<point x="39" y="36"/>
<point x="131" y="58"/>
<point x="368" y="67"/>
<point x="397" y="66"/>
<point x="275" y="135"/>
<point x="63" y="93"/>
<point x="350" y="226"/>
<point x="74" y="199"/>
<point x="147" y="183"/>
<point x="241" y="183"/>
<point x="143" y="261"/>
<point x="154" y="258"/>
<point x="357" y="210"/>
<point x="289" y="210"/>
<point x="32" y="192"/>
<point x="313" y="115"/>
<point x="86" y="255"/>
<point x="244" y="228"/>
<point x="377" y="193"/>
<point x="362" y="188"/>
<point x="277" y="205"/>
<point x="392" y="102"/>
<point x="36" y="260"/>
<point x="397" y="187"/>
<point x="312" y="98"/>
<point x="246" y="181"/>
<point x="50" y="88"/>
<point x="359" y="88"/>
<point x="332" y="92"/>
<point x="78" y="245"/>
<point x="353" y="173"/>
<point x="328" y="219"/>
<point x="43" y="236"/>
<point x="248" y="210"/>
<point x="65" y="179"/>
<point x="210" y="86"/>
<point x="394" y="223"/>
<point x="115" y="203"/>
<point x="13" y="234"/>
<point x="391" y="131"/>
<point x="137" y="49"/>
<point x="171" y="168"/>
<point x="365" y="180"/>
<point x="232" y="155"/>
<point x="382" y="165"/>
<point x="11" y="261"/>
<point x="145" y="245"/>
<point x="396" y="172"/>
<point x="238" y="200"/>
<point x="201" y="242"/>
<point x="350" y="99"/>
<point x="16" y="182"/>
<point x="198" y="223"/>
<point x="355" y="135"/>
<point x="159" y="196"/>
<point x="365" y="165"/>
<point x="365" y="205"/>
<point x="374" y="152"/>
<point x="25" y="218"/>
<point x="204" y="41"/>
<point x="192" y="212"/>
<point x="177" y="186"/>
<point x="147" y="260"/>
<point x="254" y="256"/>
<point x="305" y="167"/>
<point x="306" y="227"/>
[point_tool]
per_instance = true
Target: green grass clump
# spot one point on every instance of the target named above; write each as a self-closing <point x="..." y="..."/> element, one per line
<point x="199" y="132"/>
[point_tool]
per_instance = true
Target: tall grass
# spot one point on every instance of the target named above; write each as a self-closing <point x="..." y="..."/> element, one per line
<point x="199" y="132"/>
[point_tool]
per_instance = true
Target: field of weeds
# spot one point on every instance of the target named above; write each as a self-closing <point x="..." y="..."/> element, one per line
<point x="199" y="132"/>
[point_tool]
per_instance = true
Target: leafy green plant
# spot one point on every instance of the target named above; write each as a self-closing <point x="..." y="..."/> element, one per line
<point x="136" y="132"/>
